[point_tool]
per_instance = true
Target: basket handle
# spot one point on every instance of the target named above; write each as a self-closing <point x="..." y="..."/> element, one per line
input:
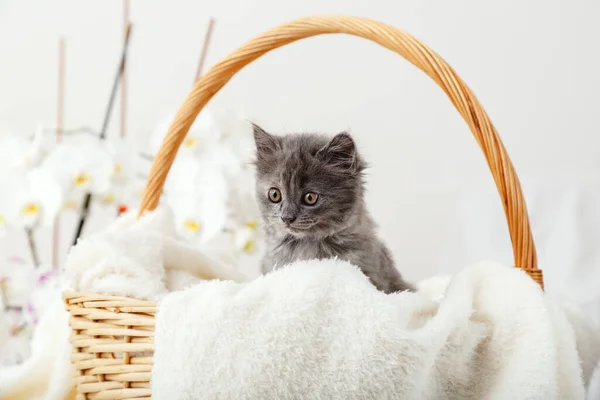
<point x="398" y="41"/>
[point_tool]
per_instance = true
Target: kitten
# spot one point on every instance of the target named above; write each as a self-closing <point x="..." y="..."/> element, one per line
<point x="309" y="189"/>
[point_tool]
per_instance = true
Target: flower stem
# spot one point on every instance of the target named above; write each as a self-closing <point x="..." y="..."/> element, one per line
<point x="32" y="247"/>
<point x="88" y="197"/>
<point x="83" y="214"/>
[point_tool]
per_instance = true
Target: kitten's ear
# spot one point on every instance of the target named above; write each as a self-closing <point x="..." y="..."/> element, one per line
<point x="340" y="151"/>
<point x="265" y="143"/>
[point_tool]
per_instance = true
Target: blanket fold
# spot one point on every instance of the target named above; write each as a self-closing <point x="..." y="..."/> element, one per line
<point x="142" y="258"/>
<point x="320" y="330"/>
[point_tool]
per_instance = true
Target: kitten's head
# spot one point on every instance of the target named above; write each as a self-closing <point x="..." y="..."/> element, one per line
<point x="307" y="184"/>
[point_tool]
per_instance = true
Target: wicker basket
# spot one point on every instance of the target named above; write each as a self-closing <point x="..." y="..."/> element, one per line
<point x="113" y="336"/>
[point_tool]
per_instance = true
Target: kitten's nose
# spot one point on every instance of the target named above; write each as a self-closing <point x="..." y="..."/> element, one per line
<point x="288" y="219"/>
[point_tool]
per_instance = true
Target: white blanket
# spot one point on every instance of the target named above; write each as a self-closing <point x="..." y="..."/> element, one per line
<point x="141" y="258"/>
<point x="320" y="330"/>
<point x="47" y="373"/>
<point x="317" y="330"/>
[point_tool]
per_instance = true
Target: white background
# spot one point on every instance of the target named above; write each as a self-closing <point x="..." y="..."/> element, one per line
<point x="533" y="65"/>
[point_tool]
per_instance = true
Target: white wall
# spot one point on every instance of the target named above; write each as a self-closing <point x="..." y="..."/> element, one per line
<point x="533" y="65"/>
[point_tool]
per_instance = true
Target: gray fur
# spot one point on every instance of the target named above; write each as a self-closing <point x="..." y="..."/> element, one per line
<point x="338" y="225"/>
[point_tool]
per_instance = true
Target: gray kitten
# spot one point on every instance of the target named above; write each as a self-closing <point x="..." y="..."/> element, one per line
<point x="309" y="189"/>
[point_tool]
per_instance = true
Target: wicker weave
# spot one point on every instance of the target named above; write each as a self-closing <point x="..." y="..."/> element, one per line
<point x="113" y="343"/>
<point x="113" y="336"/>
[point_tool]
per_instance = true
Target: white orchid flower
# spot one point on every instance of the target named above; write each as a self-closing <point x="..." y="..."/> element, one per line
<point x="183" y="172"/>
<point x="123" y="197"/>
<point x="133" y="195"/>
<point x="124" y="190"/>
<point x="236" y="143"/>
<point x="201" y="139"/>
<point x="243" y="198"/>
<point x="158" y="134"/>
<point x="123" y="154"/>
<point x="237" y="134"/>
<point x="197" y="194"/>
<point x="221" y="138"/>
<point x="20" y="153"/>
<point x="210" y="186"/>
<point x="4" y="211"/>
<point x="46" y="288"/>
<point x="28" y="291"/>
<point x="245" y="215"/>
<point x="82" y="165"/>
<point x="204" y="134"/>
<point x="35" y="199"/>
<point x="246" y="239"/>
<point x="200" y="220"/>
<point x="18" y="280"/>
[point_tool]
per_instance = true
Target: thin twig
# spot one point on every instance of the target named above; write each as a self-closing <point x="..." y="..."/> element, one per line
<point x="115" y="87"/>
<point x="83" y="214"/>
<point x="32" y="247"/>
<point x="61" y="90"/>
<point x="88" y="197"/>
<point x="124" y="73"/>
<point x="59" y="132"/>
<point x="146" y="156"/>
<point x="204" y="52"/>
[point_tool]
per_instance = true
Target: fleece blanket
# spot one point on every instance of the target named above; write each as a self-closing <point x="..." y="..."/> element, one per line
<point x="316" y="329"/>
<point x="142" y="258"/>
<point x="320" y="330"/>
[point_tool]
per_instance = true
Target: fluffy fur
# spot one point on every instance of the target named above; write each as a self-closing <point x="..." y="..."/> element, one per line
<point x="338" y="224"/>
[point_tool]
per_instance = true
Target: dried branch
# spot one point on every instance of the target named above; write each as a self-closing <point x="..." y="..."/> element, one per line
<point x="32" y="247"/>
<point x="124" y="73"/>
<point x="204" y="52"/>
<point x="60" y="114"/>
<point x="88" y="197"/>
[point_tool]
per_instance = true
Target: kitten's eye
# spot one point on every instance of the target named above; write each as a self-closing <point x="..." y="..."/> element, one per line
<point x="310" y="198"/>
<point x="274" y="195"/>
